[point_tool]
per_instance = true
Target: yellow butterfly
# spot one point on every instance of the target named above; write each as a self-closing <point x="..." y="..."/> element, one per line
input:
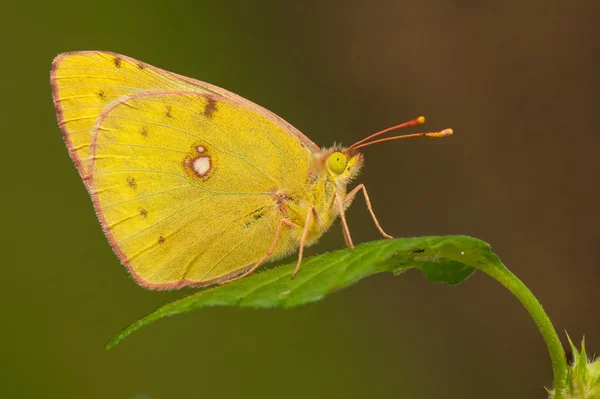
<point x="195" y="185"/>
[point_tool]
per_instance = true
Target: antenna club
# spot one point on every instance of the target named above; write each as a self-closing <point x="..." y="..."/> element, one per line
<point x="443" y="133"/>
<point x="420" y="120"/>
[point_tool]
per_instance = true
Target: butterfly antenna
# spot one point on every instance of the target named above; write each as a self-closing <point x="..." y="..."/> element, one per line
<point x="417" y="121"/>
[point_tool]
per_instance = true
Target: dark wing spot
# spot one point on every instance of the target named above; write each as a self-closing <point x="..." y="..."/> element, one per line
<point x="132" y="183"/>
<point x="102" y="94"/>
<point x="418" y="250"/>
<point x="143" y="213"/>
<point x="144" y="132"/>
<point x="168" y="111"/>
<point x="141" y="65"/>
<point x="198" y="162"/>
<point x="257" y="212"/>
<point x="256" y="215"/>
<point x="211" y="107"/>
<point x="161" y="239"/>
<point x="117" y="62"/>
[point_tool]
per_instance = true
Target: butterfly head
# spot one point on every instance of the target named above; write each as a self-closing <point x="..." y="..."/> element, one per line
<point x="343" y="164"/>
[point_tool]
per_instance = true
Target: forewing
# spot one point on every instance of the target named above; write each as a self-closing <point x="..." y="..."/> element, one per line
<point x="183" y="184"/>
<point x="85" y="83"/>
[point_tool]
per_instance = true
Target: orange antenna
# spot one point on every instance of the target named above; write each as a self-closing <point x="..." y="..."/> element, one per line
<point x="417" y="121"/>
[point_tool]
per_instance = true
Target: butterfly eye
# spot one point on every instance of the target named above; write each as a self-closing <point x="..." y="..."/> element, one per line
<point x="337" y="163"/>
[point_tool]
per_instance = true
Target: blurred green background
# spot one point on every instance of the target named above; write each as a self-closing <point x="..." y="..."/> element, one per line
<point x="519" y="84"/>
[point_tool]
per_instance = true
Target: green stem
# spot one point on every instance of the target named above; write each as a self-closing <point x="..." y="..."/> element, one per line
<point x="533" y="306"/>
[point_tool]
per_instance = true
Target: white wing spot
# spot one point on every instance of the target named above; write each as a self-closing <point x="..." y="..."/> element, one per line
<point x="200" y="149"/>
<point x="201" y="166"/>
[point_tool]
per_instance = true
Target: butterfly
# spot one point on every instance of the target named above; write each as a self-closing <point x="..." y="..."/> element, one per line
<point x="195" y="185"/>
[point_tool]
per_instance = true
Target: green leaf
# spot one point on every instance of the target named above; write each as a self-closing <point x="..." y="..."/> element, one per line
<point x="574" y="349"/>
<point x="581" y="366"/>
<point x="596" y="383"/>
<point x="449" y="259"/>
<point x="570" y="383"/>
<point x="594" y="370"/>
<point x="583" y="378"/>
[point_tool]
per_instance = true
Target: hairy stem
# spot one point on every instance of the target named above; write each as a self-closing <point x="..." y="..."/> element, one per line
<point x="533" y="306"/>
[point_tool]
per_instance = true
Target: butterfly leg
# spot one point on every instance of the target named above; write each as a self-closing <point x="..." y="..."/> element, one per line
<point x="350" y="196"/>
<point x="269" y="252"/>
<point x="345" y="229"/>
<point x="309" y="216"/>
<point x="346" y="239"/>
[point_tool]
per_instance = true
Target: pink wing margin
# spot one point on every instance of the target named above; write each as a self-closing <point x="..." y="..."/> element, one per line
<point x="60" y="115"/>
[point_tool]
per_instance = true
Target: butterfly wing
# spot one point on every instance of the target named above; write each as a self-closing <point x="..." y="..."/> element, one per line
<point x="182" y="173"/>
<point x="85" y="83"/>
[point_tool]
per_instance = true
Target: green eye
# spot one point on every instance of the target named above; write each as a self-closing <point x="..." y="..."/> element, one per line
<point x="337" y="163"/>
